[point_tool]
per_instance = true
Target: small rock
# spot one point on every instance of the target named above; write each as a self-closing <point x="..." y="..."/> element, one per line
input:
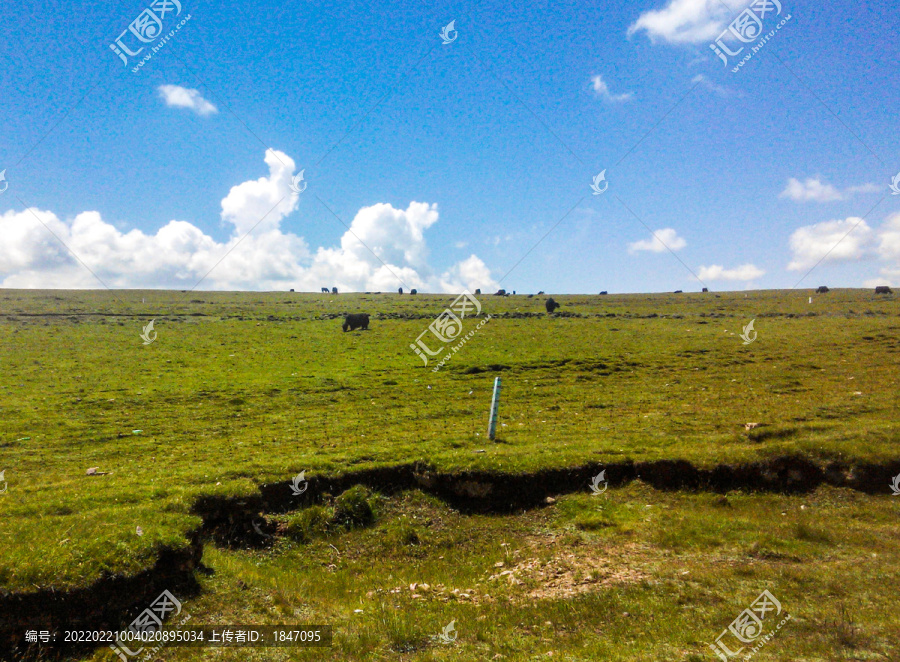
<point x="412" y="587"/>
<point x="139" y="531"/>
<point x="626" y="614"/>
<point x="499" y="564"/>
<point x="549" y="501"/>
<point x="750" y="426"/>
<point x="480" y="450"/>
<point x="357" y="611"/>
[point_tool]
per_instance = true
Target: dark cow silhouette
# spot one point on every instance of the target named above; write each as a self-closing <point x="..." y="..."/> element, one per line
<point x="822" y="289"/>
<point x="355" y="321"/>
<point x="414" y="291"/>
<point x="706" y="289"/>
<point x="500" y="293"/>
<point x="604" y="292"/>
<point x="550" y="305"/>
<point x="478" y="291"/>
<point x="540" y="293"/>
<point x="292" y="289"/>
<point x="883" y="289"/>
<point x="399" y="290"/>
<point x="325" y="290"/>
<point x="677" y="291"/>
<point x="334" y="290"/>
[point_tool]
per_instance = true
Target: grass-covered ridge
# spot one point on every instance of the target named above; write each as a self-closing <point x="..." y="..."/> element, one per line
<point x="242" y="389"/>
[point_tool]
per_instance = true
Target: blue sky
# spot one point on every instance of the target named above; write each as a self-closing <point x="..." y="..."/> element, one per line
<point x="498" y="135"/>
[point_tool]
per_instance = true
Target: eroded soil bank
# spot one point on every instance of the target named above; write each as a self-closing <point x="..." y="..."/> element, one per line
<point x="113" y="601"/>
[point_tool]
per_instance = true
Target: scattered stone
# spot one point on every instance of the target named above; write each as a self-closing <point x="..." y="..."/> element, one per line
<point x="549" y="501"/>
<point x="750" y="426"/>
<point x="95" y="471"/>
<point x="139" y="531"/>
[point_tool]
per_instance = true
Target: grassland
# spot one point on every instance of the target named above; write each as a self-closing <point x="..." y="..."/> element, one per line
<point x="243" y="389"/>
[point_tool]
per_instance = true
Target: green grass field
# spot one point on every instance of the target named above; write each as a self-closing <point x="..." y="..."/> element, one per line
<point x="241" y="389"/>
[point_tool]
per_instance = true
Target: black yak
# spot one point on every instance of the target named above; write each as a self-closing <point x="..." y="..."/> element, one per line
<point x="325" y="290"/>
<point x="354" y="321"/>
<point x="399" y="290"/>
<point x="334" y="290"/>
<point x="822" y="289"/>
<point x="478" y="291"/>
<point x="882" y="289"/>
<point x="414" y="291"/>
<point x="550" y="305"/>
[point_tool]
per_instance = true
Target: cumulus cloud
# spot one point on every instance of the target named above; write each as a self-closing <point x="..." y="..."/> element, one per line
<point x="602" y="89"/>
<point x="832" y="241"/>
<point x="850" y="240"/>
<point x="815" y="190"/>
<point x="176" y="96"/>
<point x="663" y="239"/>
<point x="179" y="254"/>
<point x="745" y="272"/>
<point x="683" y="22"/>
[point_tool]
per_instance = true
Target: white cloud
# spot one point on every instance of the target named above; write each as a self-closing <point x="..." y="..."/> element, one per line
<point x="601" y="88"/>
<point x="745" y="272"/>
<point x="832" y="241"/>
<point x="665" y="237"/>
<point x="179" y="254"/>
<point x="176" y="96"/>
<point x="713" y="87"/>
<point x="815" y="190"/>
<point x="683" y="22"/>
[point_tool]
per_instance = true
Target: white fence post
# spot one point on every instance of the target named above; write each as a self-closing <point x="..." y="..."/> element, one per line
<point x="495" y="403"/>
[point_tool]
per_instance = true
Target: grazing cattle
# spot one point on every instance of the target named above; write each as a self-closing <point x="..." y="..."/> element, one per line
<point x="334" y="290"/>
<point x="500" y="293"/>
<point x="355" y="321"/>
<point x="478" y="291"/>
<point x="677" y="291"/>
<point x="882" y="289"/>
<point x="822" y="289"/>
<point x="399" y="290"/>
<point x="603" y="292"/>
<point x="325" y="290"/>
<point x="540" y="293"/>
<point x="414" y="291"/>
<point x="292" y="289"/>
<point x="706" y="289"/>
<point x="550" y="305"/>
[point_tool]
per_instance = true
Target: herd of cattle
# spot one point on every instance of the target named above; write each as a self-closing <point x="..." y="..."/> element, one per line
<point x="354" y="321"/>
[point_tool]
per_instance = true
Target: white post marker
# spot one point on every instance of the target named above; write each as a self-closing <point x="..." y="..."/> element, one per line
<point x="495" y="403"/>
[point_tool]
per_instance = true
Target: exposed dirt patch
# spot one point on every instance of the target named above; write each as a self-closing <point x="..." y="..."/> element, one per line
<point x="568" y="572"/>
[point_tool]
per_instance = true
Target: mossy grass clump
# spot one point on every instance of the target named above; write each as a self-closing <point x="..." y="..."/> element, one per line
<point x="308" y="523"/>
<point x="353" y="509"/>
